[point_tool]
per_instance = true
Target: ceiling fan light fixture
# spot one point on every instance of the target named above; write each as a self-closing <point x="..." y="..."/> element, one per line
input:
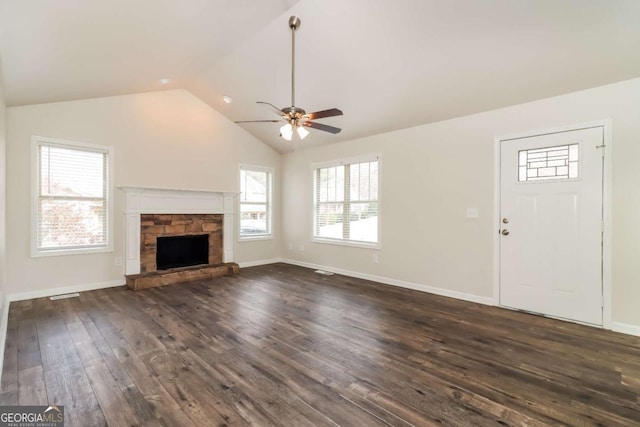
<point x="286" y="131"/>
<point x="302" y="132"/>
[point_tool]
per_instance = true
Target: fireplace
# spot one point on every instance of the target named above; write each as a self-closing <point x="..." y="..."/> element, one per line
<point x="175" y="236"/>
<point x="182" y="251"/>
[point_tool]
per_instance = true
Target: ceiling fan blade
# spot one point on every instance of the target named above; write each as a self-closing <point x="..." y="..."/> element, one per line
<point x="273" y="107"/>
<point x="258" y="121"/>
<point x="320" y="126"/>
<point x="324" y="113"/>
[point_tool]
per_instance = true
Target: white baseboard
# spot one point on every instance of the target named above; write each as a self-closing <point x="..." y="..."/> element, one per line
<point x="63" y="290"/>
<point x="398" y="283"/>
<point x="625" y="328"/>
<point x="259" y="262"/>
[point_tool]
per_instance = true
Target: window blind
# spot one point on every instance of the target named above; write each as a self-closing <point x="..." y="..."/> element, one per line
<point x="255" y="202"/>
<point x="71" y="197"/>
<point x="346" y="202"/>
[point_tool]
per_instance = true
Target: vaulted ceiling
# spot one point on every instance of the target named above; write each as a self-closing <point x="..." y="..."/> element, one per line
<point x="388" y="64"/>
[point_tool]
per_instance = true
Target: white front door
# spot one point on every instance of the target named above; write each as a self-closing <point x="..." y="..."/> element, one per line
<point x="551" y="224"/>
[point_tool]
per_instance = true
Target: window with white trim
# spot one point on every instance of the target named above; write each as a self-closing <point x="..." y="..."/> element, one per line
<point x="71" y="203"/>
<point x="346" y="202"/>
<point x="255" y="202"/>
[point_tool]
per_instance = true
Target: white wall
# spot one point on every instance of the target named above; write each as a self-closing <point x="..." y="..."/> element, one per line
<point x="2" y="190"/>
<point x="430" y="174"/>
<point x="162" y="139"/>
<point x="4" y="306"/>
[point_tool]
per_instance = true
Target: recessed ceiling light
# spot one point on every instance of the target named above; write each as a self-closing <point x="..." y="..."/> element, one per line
<point x="164" y="81"/>
<point x="227" y="99"/>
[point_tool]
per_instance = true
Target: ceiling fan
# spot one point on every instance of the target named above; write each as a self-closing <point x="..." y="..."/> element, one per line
<point x="296" y="118"/>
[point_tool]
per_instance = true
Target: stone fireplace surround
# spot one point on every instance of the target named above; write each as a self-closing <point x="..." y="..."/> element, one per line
<point x="153" y="226"/>
<point x="172" y="212"/>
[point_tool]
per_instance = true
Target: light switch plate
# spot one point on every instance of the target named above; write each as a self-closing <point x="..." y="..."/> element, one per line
<point x="472" y="213"/>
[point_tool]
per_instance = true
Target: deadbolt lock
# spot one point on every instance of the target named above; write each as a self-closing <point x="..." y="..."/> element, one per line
<point x="505" y="220"/>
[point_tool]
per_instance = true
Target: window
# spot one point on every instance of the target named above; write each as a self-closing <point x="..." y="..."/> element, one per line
<point x="540" y="164"/>
<point x="255" y="202"/>
<point x="71" y="203"/>
<point x="346" y="202"/>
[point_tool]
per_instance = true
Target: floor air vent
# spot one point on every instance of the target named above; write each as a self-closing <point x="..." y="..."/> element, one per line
<point x="324" y="272"/>
<point x="63" y="296"/>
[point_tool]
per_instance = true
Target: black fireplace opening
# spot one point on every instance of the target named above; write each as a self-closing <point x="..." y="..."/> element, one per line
<point x="182" y="251"/>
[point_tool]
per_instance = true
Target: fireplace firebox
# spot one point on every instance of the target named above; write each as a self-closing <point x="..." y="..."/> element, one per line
<point x="182" y="251"/>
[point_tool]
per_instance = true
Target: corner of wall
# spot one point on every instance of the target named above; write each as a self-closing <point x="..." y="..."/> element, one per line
<point x="4" y="305"/>
<point x="3" y="145"/>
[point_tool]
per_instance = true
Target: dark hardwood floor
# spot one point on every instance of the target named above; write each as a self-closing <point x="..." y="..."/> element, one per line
<point x="280" y="345"/>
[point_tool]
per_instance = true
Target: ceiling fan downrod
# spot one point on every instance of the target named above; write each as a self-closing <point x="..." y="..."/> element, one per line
<point x="294" y="24"/>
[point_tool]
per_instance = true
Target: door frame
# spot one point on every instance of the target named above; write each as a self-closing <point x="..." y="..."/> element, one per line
<point x="606" y="125"/>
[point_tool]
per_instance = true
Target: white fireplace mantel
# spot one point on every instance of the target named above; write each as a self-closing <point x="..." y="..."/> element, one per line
<point x="146" y="200"/>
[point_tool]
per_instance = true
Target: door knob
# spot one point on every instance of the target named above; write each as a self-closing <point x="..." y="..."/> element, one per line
<point x="505" y="232"/>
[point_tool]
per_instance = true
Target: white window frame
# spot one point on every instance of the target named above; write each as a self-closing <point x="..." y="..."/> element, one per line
<point x="36" y="142"/>
<point x="269" y="234"/>
<point x="341" y="162"/>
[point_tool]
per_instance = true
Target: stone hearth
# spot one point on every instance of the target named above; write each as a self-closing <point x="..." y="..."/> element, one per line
<point x="180" y="275"/>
